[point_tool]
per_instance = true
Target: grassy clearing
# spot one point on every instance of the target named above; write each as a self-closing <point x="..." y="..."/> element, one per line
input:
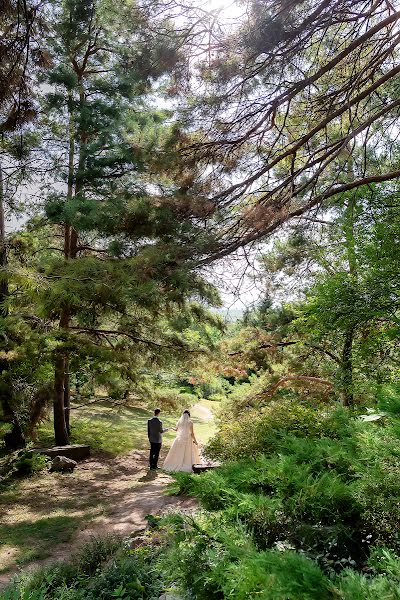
<point x="202" y="416"/>
<point x="118" y="430"/>
<point x="29" y="540"/>
<point x="41" y="512"/>
<point x="104" y="427"/>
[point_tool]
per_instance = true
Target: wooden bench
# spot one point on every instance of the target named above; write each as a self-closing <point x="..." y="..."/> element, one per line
<point x="202" y="468"/>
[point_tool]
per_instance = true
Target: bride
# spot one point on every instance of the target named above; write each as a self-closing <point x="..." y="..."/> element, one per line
<point x="184" y="452"/>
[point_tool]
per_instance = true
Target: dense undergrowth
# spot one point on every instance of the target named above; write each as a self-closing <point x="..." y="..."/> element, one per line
<point x="306" y="506"/>
<point x="105" y="569"/>
<point x="203" y="558"/>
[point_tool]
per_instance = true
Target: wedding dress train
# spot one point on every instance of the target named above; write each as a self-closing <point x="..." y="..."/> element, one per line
<point x="184" y="453"/>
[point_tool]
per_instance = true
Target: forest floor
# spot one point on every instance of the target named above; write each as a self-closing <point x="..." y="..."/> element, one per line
<point x="48" y="516"/>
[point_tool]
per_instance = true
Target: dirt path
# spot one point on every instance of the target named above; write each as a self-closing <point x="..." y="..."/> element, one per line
<point x="121" y="492"/>
<point x="133" y="494"/>
<point x="102" y="496"/>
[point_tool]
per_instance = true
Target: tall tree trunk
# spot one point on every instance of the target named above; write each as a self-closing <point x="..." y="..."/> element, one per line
<point x="14" y="438"/>
<point x="347" y="351"/>
<point x="3" y="253"/>
<point x="67" y="396"/>
<point x="60" y="427"/>
<point x="347" y="368"/>
<point x="61" y="363"/>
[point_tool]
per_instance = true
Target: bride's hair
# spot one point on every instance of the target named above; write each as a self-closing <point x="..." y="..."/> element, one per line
<point x="186" y="412"/>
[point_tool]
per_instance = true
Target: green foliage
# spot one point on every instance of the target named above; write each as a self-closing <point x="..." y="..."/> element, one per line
<point x="389" y="399"/>
<point x="209" y="558"/>
<point x="261" y="430"/>
<point x="316" y="480"/>
<point x="30" y="462"/>
<point x="170" y="399"/>
<point x="105" y="427"/>
<point x="103" y="569"/>
<point x="22" y="463"/>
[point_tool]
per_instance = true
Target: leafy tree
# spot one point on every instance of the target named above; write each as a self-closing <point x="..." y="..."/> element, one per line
<point x="345" y="267"/>
<point x="21" y="55"/>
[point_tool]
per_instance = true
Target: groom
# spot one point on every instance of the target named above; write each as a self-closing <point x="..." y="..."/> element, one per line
<point x="154" y="432"/>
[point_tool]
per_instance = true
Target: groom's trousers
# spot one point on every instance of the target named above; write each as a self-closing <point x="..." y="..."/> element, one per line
<point x="154" y="454"/>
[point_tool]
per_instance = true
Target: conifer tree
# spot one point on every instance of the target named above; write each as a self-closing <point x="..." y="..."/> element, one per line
<point x="21" y="55"/>
<point x="129" y="241"/>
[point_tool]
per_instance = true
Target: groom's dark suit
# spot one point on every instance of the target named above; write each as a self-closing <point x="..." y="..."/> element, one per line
<point x="154" y="432"/>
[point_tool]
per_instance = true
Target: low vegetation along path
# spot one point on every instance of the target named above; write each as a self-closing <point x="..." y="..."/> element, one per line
<point x="49" y="516"/>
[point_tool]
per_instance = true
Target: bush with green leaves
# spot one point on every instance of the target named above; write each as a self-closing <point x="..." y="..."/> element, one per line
<point x="262" y="430"/>
<point x="104" y="569"/>
<point x="30" y="462"/>
<point x="171" y="399"/>
<point x="323" y="482"/>
<point x="22" y="463"/>
<point x="210" y="559"/>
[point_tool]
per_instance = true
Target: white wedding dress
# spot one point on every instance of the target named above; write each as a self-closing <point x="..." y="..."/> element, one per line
<point x="184" y="453"/>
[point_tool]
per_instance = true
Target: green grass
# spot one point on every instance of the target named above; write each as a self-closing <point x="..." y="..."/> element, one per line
<point x="118" y="430"/>
<point x="204" y="429"/>
<point x="36" y="539"/>
<point x="46" y="510"/>
<point x="104" y="427"/>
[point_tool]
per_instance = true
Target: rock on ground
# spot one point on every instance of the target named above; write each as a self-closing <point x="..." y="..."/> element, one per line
<point x="62" y="463"/>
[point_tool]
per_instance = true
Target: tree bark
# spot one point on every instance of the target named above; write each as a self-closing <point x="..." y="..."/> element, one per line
<point x="347" y="351"/>
<point x="67" y="396"/>
<point x="347" y="368"/>
<point x="61" y="363"/>
<point x="3" y="253"/>
<point x="60" y="428"/>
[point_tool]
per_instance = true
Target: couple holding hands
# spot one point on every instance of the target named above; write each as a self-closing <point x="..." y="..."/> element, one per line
<point x="184" y="452"/>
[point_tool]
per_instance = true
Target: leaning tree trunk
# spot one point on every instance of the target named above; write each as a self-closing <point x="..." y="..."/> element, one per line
<point x="14" y="438"/>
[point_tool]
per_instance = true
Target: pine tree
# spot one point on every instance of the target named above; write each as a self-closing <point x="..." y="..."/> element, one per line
<point x="21" y="54"/>
<point x="129" y="241"/>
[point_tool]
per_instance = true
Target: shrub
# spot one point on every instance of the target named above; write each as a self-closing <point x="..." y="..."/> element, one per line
<point x="171" y="399"/>
<point x="210" y="559"/>
<point x="262" y="431"/>
<point x="30" y="462"/>
<point x="383" y="583"/>
<point x="22" y="463"/>
<point x="273" y="575"/>
<point x="104" y="569"/>
<point x="389" y="399"/>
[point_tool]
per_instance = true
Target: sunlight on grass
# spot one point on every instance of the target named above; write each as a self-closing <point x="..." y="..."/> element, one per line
<point x="119" y="430"/>
<point x="45" y="510"/>
<point x="202" y="417"/>
<point x="104" y="428"/>
<point x="28" y="540"/>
